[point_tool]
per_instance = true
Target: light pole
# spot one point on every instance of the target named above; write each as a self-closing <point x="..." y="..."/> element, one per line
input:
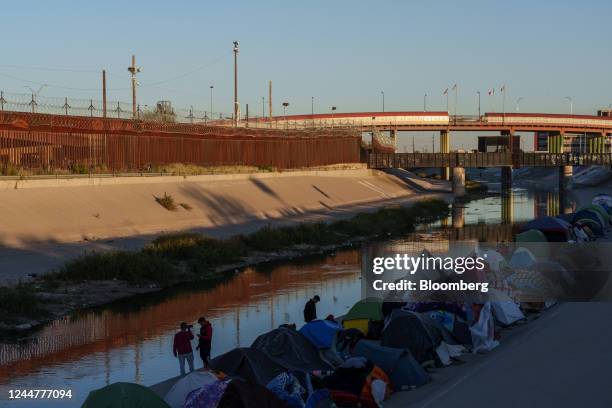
<point x="312" y="105"/>
<point x="425" y="103"/>
<point x="263" y="107"/>
<point x="133" y="69"/>
<point x="518" y="104"/>
<point x="333" y="108"/>
<point x="571" y="102"/>
<point x="285" y="104"/>
<point x="35" y="94"/>
<point x="478" y="92"/>
<point x="383" y="99"/>
<point x="235" y="83"/>
<point x="211" y="101"/>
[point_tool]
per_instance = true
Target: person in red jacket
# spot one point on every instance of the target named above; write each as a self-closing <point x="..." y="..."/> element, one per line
<point x="205" y="340"/>
<point x="182" y="347"/>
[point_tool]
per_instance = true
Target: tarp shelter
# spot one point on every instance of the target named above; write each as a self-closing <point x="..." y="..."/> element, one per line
<point x="194" y="380"/>
<point x="522" y="258"/>
<point x="555" y="229"/>
<point x="290" y="349"/>
<point x="504" y="309"/>
<point x="400" y="366"/>
<point x="247" y="363"/>
<point x="362" y="312"/>
<point x="320" y="333"/>
<point x="483" y="331"/>
<point x="240" y="394"/>
<point x="124" y="395"/>
<point x="207" y="396"/>
<point x="408" y="330"/>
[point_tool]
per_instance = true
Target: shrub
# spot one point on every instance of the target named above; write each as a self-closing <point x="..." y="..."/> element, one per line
<point x="167" y="202"/>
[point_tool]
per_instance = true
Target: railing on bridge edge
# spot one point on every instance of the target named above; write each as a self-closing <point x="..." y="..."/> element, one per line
<point x="493" y="159"/>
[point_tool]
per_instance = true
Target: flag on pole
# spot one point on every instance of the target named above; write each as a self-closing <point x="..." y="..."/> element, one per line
<point x="491" y="92"/>
<point x="455" y="87"/>
<point x="445" y="92"/>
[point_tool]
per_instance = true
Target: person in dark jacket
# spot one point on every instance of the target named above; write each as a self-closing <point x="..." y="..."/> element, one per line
<point x="205" y="340"/>
<point x="182" y="347"/>
<point x="310" y="309"/>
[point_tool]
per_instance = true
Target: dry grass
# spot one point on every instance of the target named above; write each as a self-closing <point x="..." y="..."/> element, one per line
<point x="167" y="202"/>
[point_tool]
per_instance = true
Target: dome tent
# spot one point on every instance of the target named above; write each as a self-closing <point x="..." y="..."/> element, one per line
<point x="124" y="395"/>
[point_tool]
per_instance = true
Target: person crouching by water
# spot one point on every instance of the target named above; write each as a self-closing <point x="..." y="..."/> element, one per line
<point x="310" y="309"/>
<point x="205" y="340"/>
<point x="182" y="347"/>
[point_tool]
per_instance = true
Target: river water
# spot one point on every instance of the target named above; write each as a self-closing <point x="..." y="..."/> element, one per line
<point x="132" y="340"/>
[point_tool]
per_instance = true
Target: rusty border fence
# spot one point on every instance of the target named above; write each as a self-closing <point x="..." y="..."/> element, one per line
<point x="49" y="143"/>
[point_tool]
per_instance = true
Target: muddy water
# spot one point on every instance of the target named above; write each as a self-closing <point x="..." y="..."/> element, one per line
<point x="132" y="340"/>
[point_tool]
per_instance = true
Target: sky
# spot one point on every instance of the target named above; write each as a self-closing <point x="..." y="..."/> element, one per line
<point x="342" y="53"/>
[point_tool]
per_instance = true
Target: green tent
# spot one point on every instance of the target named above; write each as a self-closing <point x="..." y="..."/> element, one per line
<point x="535" y="241"/>
<point x="124" y="395"/>
<point x="368" y="308"/>
<point x="600" y="210"/>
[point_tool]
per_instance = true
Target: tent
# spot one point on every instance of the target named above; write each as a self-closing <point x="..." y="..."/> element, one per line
<point x="247" y="363"/>
<point x="600" y="210"/>
<point x="594" y="226"/>
<point x="207" y="396"/>
<point x="535" y="241"/>
<point x="495" y="260"/>
<point x="362" y="312"/>
<point x="589" y="213"/>
<point x="290" y="349"/>
<point x="555" y="229"/>
<point x="522" y="258"/>
<point x="288" y="389"/>
<point x="240" y="394"/>
<point x="504" y="309"/>
<point x="483" y="331"/>
<point x="402" y="368"/>
<point x="320" y="332"/>
<point x="194" y="380"/>
<point x="124" y="395"/>
<point x="409" y="330"/>
<point x="605" y="200"/>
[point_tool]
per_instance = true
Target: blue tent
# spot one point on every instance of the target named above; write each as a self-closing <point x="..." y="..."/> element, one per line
<point x="402" y="369"/>
<point x="589" y="214"/>
<point x="321" y="332"/>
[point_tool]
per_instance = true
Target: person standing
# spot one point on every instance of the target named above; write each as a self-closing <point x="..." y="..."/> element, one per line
<point x="205" y="340"/>
<point x="310" y="309"/>
<point x="182" y="347"/>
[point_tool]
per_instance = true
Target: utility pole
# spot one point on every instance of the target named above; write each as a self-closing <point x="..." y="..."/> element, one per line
<point x="211" y="101"/>
<point x="133" y="69"/>
<point x="104" y="93"/>
<point x="270" y="101"/>
<point x="312" y="105"/>
<point x="478" y="92"/>
<point x="263" y="107"/>
<point x="425" y="103"/>
<point x="236" y="83"/>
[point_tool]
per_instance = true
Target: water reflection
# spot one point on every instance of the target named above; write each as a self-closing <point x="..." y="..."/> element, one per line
<point x="132" y="340"/>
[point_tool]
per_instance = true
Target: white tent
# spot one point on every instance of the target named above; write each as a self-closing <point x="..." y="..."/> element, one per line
<point x="197" y="379"/>
<point x="483" y="331"/>
<point x="504" y="309"/>
<point x="522" y="258"/>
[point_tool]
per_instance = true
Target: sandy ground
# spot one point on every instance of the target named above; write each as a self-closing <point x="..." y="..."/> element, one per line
<point x="45" y="223"/>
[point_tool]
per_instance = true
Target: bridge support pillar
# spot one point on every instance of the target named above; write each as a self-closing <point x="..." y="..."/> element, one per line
<point x="565" y="184"/>
<point x="393" y="135"/>
<point x="445" y="148"/>
<point x="507" y="210"/>
<point x="506" y="179"/>
<point x="458" y="216"/>
<point x="458" y="181"/>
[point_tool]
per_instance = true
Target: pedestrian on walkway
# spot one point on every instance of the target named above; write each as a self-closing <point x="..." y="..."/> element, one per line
<point x="205" y="340"/>
<point x="182" y="347"/>
<point x="310" y="309"/>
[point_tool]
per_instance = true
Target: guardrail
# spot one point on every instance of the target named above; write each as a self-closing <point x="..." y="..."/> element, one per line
<point x="493" y="159"/>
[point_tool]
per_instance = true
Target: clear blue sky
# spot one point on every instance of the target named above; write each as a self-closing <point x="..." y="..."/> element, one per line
<point x="342" y="52"/>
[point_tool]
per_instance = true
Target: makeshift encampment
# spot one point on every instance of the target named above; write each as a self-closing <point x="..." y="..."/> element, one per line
<point x="124" y="395"/>
<point x="402" y="368"/>
<point x="207" y="396"/>
<point x="504" y="309"/>
<point x="522" y="258"/>
<point x="290" y="349"/>
<point x="555" y="229"/>
<point x="240" y="394"/>
<point x="591" y="214"/>
<point x="362" y="312"/>
<point x="320" y="332"/>
<point x="194" y="380"/>
<point x="594" y="226"/>
<point x="350" y="378"/>
<point x="408" y="330"/>
<point x="605" y="200"/>
<point x="247" y="363"/>
<point x="535" y="241"/>
<point x="483" y="331"/>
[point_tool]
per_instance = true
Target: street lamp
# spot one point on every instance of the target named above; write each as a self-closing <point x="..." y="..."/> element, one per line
<point x="312" y="105"/>
<point x="211" y="101"/>
<point x="285" y="104"/>
<point x="478" y="92"/>
<point x="235" y="83"/>
<point x="571" y="102"/>
<point x="333" y="108"/>
<point x="518" y="104"/>
<point x="425" y="103"/>
<point x="383" y="99"/>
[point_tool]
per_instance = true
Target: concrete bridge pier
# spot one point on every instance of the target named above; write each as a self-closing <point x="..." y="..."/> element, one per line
<point x="507" y="210"/>
<point x="506" y="179"/>
<point x="565" y="184"/>
<point x="458" y="181"/>
<point x="445" y="148"/>
<point x="458" y="216"/>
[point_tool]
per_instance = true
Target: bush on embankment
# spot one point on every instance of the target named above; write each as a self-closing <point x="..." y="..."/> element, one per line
<point x="20" y="300"/>
<point x="168" y="256"/>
